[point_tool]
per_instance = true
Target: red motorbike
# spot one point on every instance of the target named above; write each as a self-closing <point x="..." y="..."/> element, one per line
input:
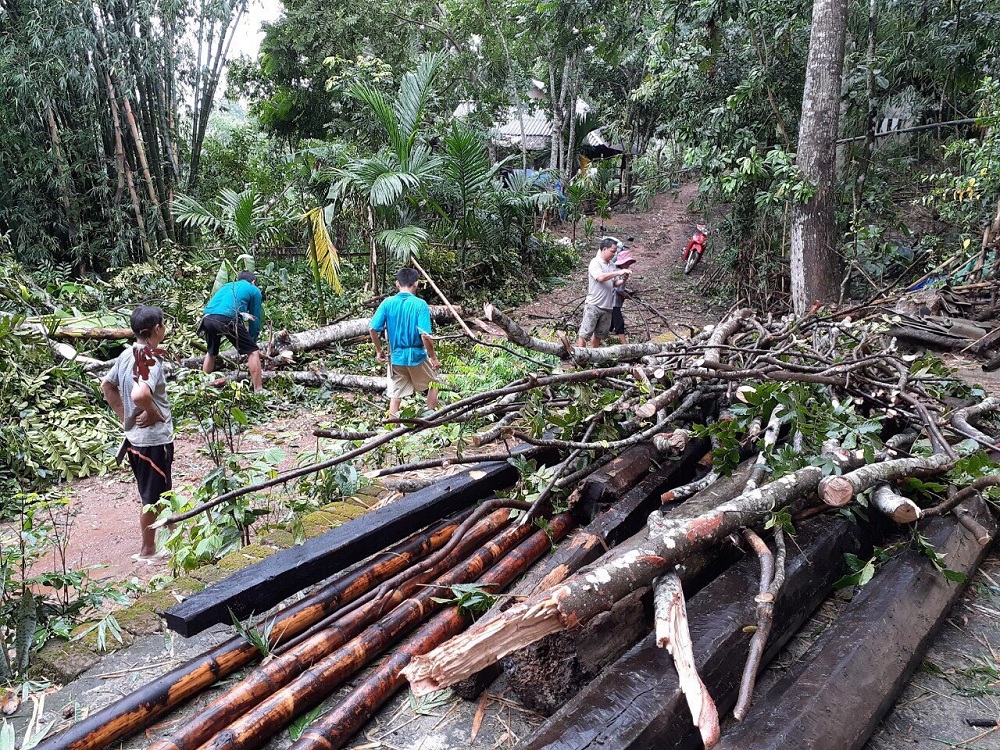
<point x="695" y="248"/>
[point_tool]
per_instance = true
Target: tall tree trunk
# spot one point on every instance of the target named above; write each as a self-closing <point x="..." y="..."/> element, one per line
<point x="571" y="138"/>
<point x="813" y="251"/>
<point x="63" y="173"/>
<point x="866" y="154"/>
<point x="556" y="117"/>
<point x="144" y="165"/>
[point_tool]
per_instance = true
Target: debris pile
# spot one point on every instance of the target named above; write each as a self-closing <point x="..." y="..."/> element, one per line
<point x="713" y="477"/>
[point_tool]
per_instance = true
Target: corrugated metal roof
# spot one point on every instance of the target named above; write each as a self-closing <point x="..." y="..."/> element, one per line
<point x="537" y="126"/>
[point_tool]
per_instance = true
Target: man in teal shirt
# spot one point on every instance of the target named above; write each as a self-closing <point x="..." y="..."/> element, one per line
<point x="406" y="320"/>
<point x="235" y="312"/>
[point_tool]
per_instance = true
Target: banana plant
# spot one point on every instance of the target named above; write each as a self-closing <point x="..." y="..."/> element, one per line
<point x="322" y="255"/>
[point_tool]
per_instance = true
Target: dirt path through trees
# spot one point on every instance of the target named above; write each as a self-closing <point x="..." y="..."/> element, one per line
<point x="105" y="525"/>
<point x="658" y="237"/>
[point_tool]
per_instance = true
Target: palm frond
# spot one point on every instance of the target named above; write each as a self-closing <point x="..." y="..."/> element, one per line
<point x="403" y="242"/>
<point x="322" y="255"/>
<point x="385" y="114"/>
<point x="415" y="92"/>
<point x="466" y="161"/>
<point x="190" y="213"/>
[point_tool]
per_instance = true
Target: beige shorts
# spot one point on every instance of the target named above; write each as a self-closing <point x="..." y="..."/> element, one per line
<point x="405" y="381"/>
<point x="596" y="322"/>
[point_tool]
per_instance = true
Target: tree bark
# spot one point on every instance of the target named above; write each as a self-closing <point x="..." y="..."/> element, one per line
<point x="673" y="634"/>
<point x="619" y="353"/>
<point x="840" y="490"/>
<point x="348" y="329"/>
<point x="814" y="242"/>
<point x="900" y="509"/>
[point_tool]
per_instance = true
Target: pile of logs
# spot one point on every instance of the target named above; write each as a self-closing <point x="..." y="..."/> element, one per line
<point x="710" y="477"/>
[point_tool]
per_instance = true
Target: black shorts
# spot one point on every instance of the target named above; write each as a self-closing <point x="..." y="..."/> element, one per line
<point x="617" y="321"/>
<point x="214" y="327"/>
<point x="151" y="466"/>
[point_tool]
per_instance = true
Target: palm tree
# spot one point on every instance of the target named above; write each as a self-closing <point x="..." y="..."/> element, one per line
<point x="240" y="221"/>
<point x="390" y="184"/>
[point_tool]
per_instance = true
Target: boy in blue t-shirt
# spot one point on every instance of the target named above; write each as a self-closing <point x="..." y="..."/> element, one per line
<point x="406" y="321"/>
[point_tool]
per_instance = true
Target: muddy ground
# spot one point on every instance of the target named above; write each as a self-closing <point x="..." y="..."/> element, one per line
<point x="959" y="680"/>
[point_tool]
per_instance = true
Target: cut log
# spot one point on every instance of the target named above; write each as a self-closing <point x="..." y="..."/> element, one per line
<point x="834" y="699"/>
<point x="638" y="703"/>
<point x="900" y="509"/>
<point x="613" y="526"/>
<point x="348" y="329"/>
<point x="261" y="586"/>
<point x="610" y="482"/>
<point x="838" y="491"/>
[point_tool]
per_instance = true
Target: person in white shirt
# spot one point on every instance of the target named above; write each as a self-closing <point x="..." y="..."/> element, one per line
<point x="603" y="277"/>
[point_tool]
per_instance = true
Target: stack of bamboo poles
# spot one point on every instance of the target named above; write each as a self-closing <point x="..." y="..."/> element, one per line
<point x="319" y="643"/>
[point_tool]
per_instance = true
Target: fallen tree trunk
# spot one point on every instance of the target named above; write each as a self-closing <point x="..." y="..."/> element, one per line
<point x="336" y="728"/>
<point x="637" y="703"/>
<point x="625" y="569"/>
<point x="139" y="709"/>
<point x="348" y="329"/>
<point x="93" y="334"/>
<point x="346" y="380"/>
<point x="592" y="356"/>
<point x="835" y="699"/>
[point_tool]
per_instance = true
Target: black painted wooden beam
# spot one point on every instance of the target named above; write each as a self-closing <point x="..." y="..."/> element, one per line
<point x="265" y="584"/>
<point x="834" y="698"/>
<point x="637" y="702"/>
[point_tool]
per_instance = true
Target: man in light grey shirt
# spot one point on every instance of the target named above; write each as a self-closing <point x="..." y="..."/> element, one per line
<point x="603" y="277"/>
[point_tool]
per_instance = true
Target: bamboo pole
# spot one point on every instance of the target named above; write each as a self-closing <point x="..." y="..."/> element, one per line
<point x="317" y="682"/>
<point x="144" y="165"/>
<point x="140" y="708"/>
<point x="335" y="729"/>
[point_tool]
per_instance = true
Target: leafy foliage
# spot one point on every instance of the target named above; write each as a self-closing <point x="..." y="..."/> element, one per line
<point x="51" y="426"/>
<point x="469" y="597"/>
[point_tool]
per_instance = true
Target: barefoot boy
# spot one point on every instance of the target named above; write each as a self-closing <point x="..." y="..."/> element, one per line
<point x="136" y="389"/>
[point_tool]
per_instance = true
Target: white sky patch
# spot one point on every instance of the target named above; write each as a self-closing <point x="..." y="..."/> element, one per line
<point x="249" y="35"/>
